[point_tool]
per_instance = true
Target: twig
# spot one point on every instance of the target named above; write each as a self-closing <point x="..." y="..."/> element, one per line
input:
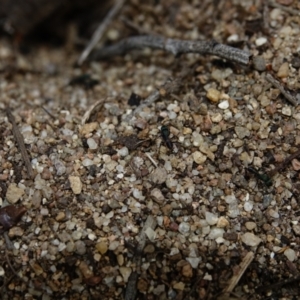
<point x="284" y="163"/>
<point x="174" y="46"/>
<point x="242" y="268"/>
<point x="20" y="141"/>
<point x="277" y="285"/>
<point x="277" y="85"/>
<point x="92" y="110"/>
<point x="151" y="159"/>
<point x="131" y="290"/>
<point x="171" y="86"/>
<point x="100" y="30"/>
<point x="133" y="26"/>
<point x="284" y="8"/>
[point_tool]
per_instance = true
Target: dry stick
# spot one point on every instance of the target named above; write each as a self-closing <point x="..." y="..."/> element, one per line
<point x="93" y="109"/>
<point x="131" y="290"/>
<point x="174" y="46"/>
<point x="242" y="268"/>
<point x="277" y="85"/>
<point x="100" y="30"/>
<point x="284" y="163"/>
<point x="284" y="8"/>
<point x="20" y="141"/>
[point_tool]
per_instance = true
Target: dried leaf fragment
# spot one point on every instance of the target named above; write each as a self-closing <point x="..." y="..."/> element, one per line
<point x="10" y="215"/>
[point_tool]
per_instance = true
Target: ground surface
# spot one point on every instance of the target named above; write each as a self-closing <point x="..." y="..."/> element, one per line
<point x="94" y="187"/>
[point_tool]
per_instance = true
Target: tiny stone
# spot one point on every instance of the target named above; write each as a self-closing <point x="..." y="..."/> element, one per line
<point x="286" y="110"/>
<point x="248" y="206"/>
<point x="274" y="214"/>
<point x="92" y="144"/>
<point x="187" y="271"/>
<point x="283" y="70"/>
<point x="184" y="228"/>
<point x="120" y="259"/>
<point x="194" y="261"/>
<point x="149" y="249"/>
<point x="215" y="233"/>
<point x="60" y="216"/>
<point x="89" y="127"/>
<point x="224" y="104"/>
<point x="158" y="176"/>
<point x="178" y="286"/>
<point x="260" y="41"/>
<point x="241" y="132"/>
<point x="102" y="247"/>
<point x="211" y="219"/>
<point x="290" y="254"/>
<point x="296" y="229"/>
<point x="157" y="195"/>
<point x="250" y="225"/>
<point x="213" y="95"/>
<point x="76" y="184"/>
<point x="296" y="164"/>
<point x="80" y="247"/>
<point x="250" y="239"/>
<point x="199" y="157"/>
<point x="151" y="234"/>
<point x="222" y="222"/>
<point x="14" y="193"/>
<point x="259" y="63"/>
<point x="125" y="272"/>
<point x="15" y="231"/>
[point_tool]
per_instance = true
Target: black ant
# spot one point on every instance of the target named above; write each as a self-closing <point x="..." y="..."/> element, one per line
<point x="165" y="133"/>
<point x="266" y="179"/>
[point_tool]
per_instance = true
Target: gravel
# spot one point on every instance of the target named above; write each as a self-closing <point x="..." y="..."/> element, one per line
<point x="99" y="176"/>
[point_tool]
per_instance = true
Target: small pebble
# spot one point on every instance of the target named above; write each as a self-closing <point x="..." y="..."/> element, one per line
<point x="283" y="70"/>
<point x="199" y="157"/>
<point x="250" y="225"/>
<point x="224" y="104"/>
<point x="250" y="239"/>
<point x="287" y="111"/>
<point x="184" y="228"/>
<point x="158" y="176"/>
<point x="210" y="218"/>
<point x="290" y="254"/>
<point x="75" y="184"/>
<point x="14" y="193"/>
<point x="213" y="95"/>
<point x="92" y="144"/>
<point x="260" y="41"/>
<point x="259" y="63"/>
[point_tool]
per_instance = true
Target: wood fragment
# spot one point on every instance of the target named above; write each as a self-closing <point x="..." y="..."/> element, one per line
<point x="242" y="268"/>
<point x="284" y="164"/>
<point x="92" y="110"/>
<point x="100" y="31"/>
<point x="20" y="141"/>
<point x="285" y="93"/>
<point x="287" y="9"/>
<point x="131" y="290"/>
<point x="174" y="46"/>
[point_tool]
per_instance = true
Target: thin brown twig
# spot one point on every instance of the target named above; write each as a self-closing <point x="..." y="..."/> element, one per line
<point x="131" y="289"/>
<point x="277" y="85"/>
<point x="100" y="30"/>
<point x="134" y="26"/>
<point x="284" y="164"/>
<point x="287" y="9"/>
<point x="242" y="268"/>
<point x="174" y="46"/>
<point x="20" y="141"/>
